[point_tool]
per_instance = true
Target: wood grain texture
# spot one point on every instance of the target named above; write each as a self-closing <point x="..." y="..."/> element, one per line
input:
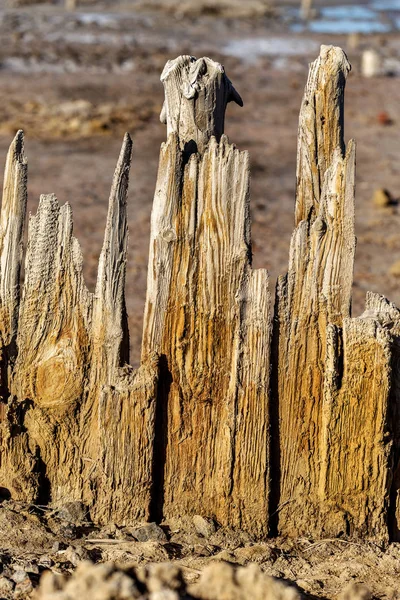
<point x="206" y="312"/>
<point x="356" y="445"/>
<point x="17" y="462"/>
<point x="77" y="407"/>
<point x="196" y="95"/>
<point x="317" y="289"/>
<point x="189" y="432"/>
<point x="127" y="413"/>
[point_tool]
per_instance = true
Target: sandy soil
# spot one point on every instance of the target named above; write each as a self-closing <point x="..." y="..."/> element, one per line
<point x="35" y="541"/>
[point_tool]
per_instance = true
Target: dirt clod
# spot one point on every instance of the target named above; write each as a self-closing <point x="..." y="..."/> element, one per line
<point x="381" y="198"/>
<point x="204" y="526"/>
<point x="148" y="532"/>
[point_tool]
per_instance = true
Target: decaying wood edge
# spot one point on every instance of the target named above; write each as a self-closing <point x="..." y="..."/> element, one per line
<point x="12" y="219"/>
<point x="321" y="127"/>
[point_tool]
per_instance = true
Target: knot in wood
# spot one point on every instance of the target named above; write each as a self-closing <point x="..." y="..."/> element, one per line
<point x="56" y="379"/>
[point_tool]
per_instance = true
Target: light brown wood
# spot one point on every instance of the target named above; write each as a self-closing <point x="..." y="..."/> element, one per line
<point x="17" y="463"/>
<point x="80" y="409"/>
<point x="316" y="292"/>
<point x="356" y="444"/>
<point x="206" y="312"/>
<point x="196" y="95"/>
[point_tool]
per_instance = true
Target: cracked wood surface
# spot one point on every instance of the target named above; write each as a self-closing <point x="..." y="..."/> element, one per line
<point x="71" y="345"/>
<point x="207" y="312"/>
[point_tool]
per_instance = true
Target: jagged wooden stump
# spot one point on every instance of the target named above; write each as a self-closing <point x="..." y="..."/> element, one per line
<point x="288" y="418"/>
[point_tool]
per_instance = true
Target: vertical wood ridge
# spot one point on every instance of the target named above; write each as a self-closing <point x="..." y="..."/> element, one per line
<point x="17" y="462"/>
<point x="77" y="439"/>
<point x="110" y="323"/>
<point x="12" y="220"/>
<point x="189" y="431"/>
<point x="321" y="127"/>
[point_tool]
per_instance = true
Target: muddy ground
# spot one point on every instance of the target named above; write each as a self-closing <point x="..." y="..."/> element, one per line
<point x="75" y="81"/>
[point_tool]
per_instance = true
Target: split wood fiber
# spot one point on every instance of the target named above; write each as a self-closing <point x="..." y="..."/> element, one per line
<point x="286" y="418"/>
<point x="207" y="312"/>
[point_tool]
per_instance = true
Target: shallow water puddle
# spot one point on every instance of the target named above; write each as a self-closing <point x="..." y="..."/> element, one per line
<point x="250" y="49"/>
<point x="344" y="26"/>
<point x="375" y="17"/>
<point x="385" y="5"/>
<point x="347" y="12"/>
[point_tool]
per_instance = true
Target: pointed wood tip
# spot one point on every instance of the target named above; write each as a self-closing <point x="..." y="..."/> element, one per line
<point x="126" y="149"/>
<point x="127" y="138"/>
<point x="17" y="148"/>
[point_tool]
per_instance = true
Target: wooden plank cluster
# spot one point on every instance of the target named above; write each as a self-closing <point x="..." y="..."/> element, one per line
<point x="281" y="419"/>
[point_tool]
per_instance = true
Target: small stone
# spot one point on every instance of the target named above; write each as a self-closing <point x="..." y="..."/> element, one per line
<point x="73" y="512"/>
<point x="45" y="561"/>
<point x="381" y="198"/>
<point x="75" y="555"/>
<point x="19" y="575"/>
<point x="395" y="269"/>
<point x="204" y="526"/>
<point x="384" y="118"/>
<point x="23" y="588"/>
<point x="6" y="585"/>
<point x="150" y="532"/>
<point x="32" y="568"/>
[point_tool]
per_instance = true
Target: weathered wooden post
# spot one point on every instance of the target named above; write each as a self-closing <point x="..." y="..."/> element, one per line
<point x="207" y="312"/>
<point x="306" y="9"/>
<point x="76" y="420"/>
<point x="333" y="372"/>
<point x="71" y="4"/>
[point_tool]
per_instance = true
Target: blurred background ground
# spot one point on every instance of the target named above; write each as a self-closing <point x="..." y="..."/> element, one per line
<point x="76" y="79"/>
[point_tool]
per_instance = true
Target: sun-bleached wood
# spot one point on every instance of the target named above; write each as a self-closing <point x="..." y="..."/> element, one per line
<point x="316" y="292"/>
<point x="17" y="463"/>
<point x="196" y="95"/>
<point x="68" y="382"/>
<point x="207" y="313"/>
<point x="333" y="373"/>
<point x="214" y="312"/>
<point x="12" y="219"/>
